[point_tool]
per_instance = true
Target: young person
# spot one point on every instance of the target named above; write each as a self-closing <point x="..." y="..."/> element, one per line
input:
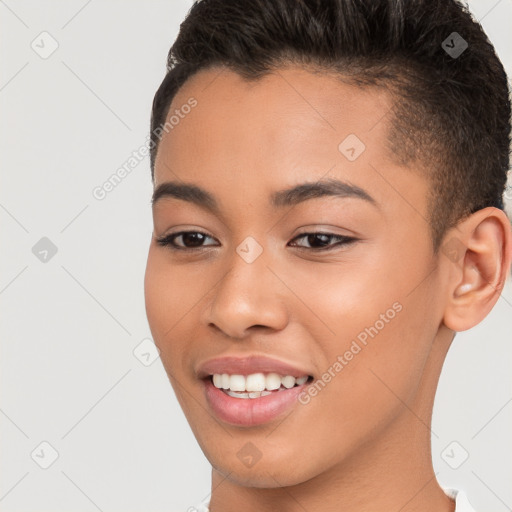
<point x="328" y="180"/>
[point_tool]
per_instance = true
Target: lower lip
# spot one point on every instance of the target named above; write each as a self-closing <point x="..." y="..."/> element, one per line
<point x="249" y="412"/>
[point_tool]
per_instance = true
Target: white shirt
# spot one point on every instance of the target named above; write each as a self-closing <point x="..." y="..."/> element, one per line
<point x="461" y="501"/>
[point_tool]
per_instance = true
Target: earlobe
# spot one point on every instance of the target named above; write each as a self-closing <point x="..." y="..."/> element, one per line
<point x="477" y="277"/>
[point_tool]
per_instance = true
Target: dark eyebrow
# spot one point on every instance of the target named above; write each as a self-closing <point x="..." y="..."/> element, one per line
<point x="186" y="192"/>
<point x="327" y="187"/>
<point x="288" y="197"/>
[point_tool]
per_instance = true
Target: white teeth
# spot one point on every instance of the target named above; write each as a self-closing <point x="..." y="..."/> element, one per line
<point x="272" y="381"/>
<point x="252" y="394"/>
<point x="288" y="381"/>
<point x="256" y="384"/>
<point x="237" y="383"/>
<point x="217" y="380"/>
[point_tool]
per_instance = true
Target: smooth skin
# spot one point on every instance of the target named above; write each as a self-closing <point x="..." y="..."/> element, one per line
<point x="363" y="443"/>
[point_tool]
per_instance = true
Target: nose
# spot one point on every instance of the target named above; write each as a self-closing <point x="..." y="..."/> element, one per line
<point x="249" y="296"/>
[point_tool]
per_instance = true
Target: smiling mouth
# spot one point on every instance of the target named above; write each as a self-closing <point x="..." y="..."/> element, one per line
<point x="254" y="399"/>
<point x="256" y="385"/>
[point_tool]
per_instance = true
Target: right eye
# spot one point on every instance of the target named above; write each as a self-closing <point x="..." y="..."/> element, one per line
<point x="194" y="238"/>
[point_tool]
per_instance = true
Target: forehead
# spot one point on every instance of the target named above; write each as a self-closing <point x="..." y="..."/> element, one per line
<point x="288" y="110"/>
<point x="288" y="127"/>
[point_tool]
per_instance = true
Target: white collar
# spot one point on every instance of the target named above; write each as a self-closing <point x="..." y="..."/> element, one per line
<point x="461" y="500"/>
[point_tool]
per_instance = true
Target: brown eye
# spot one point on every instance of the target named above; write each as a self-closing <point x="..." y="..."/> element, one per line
<point x="190" y="239"/>
<point x="193" y="240"/>
<point x="319" y="241"/>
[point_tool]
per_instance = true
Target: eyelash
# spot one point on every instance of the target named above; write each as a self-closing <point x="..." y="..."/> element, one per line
<point x="168" y="241"/>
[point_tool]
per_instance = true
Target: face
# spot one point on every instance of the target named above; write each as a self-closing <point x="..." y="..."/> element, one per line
<point x="341" y="283"/>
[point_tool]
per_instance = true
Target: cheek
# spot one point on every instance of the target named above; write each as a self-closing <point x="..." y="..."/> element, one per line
<point x="167" y="303"/>
<point x="380" y="339"/>
<point x="167" y="300"/>
<point x="156" y="300"/>
<point x="169" y="291"/>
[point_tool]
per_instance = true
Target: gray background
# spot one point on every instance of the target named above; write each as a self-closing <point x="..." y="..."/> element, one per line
<point x="70" y="325"/>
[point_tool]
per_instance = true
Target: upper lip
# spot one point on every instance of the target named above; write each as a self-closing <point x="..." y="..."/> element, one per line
<point x="247" y="365"/>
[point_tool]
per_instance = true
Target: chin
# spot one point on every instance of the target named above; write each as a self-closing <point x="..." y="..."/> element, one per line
<point x="269" y="473"/>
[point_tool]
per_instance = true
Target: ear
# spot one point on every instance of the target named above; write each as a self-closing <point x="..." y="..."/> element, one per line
<point x="478" y="252"/>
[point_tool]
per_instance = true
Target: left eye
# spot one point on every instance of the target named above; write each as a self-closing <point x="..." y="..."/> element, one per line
<point x="321" y="240"/>
<point x="318" y="241"/>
